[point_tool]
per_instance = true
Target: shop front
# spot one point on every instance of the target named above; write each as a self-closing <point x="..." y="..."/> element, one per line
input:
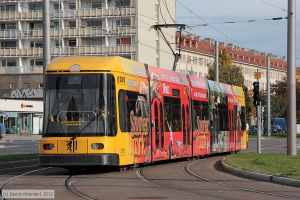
<point x="21" y="117"/>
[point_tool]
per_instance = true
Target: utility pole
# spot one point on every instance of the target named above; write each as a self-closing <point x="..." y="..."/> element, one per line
<point x="46" y="35"/>
<point x="268" y="98"/>
<point x="216" y="61"/>
<point x="258" y="111"/>
<point x="291" y="54"/>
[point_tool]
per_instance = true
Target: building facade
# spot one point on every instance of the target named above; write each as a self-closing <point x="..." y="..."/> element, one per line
<point x="77" y="27"/>
<point x="198" y="55"/>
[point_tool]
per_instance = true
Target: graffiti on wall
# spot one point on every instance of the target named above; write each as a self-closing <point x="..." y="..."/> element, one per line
<point x="26" y="93"/>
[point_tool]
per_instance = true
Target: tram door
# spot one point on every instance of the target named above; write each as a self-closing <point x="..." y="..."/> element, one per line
<point x="157" y="128"/>
<point x="231" y="130"/>
<point x="186" y="131"/>
<point x="235" y="125"/>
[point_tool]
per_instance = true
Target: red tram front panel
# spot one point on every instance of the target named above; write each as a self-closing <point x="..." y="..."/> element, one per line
<point x="171" y="134"/>
<point x="200" y="116"/>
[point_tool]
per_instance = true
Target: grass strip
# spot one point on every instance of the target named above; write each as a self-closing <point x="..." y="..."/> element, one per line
<point x="16" y="157"/>
<point x="271" y="164"/>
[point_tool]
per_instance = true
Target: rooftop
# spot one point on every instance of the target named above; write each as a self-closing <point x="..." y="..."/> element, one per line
<point x="238" y="54"/>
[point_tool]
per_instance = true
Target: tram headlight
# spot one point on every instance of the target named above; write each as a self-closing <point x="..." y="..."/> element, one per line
<point x="49" y="146"/>
<point x="97" y="146"/>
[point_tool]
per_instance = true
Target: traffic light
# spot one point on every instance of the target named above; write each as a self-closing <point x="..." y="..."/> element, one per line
<point x="256" y="98"/>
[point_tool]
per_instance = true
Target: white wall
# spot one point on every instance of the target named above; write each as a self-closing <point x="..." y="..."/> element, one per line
<point x="148" y="40"/>
<point x="15" y="105"/>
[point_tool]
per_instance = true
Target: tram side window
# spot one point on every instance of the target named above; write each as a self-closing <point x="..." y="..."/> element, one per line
<point x="133" y="111"/>
<point x="223" y="116"/>
<point x="243" y="118"/>
<point x="172" y="114"/>
<point x="200" y="116"/>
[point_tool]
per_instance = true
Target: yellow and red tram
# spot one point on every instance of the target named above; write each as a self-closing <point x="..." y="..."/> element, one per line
<point x="111" y="111"/>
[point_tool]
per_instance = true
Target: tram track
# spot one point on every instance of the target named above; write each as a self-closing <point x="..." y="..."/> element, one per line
<point x="71" y="188"/>
<point x="203" y="178"/>
<point x="141" y="175"/>
<point x="3" y="184"/>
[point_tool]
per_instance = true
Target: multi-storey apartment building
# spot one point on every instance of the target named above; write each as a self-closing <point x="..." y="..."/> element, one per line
<point x="78" y="27"/>
<point x="198" y="56"/>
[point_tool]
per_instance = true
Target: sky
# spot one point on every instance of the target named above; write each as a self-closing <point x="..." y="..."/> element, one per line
<point x="263" y="36"/>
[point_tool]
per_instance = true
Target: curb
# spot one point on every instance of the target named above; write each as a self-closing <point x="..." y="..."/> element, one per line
<point x="260" y="176"/>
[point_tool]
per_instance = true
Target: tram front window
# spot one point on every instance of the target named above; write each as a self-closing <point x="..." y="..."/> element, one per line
<point x="80" y="105"/>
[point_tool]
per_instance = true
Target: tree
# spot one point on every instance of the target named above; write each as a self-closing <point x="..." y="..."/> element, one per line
<point x="229" y="73"/>
<point x="232" y="75"/>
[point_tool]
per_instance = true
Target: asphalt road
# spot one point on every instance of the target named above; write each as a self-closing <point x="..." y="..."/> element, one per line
<point x="19" y="146"/>
<point x="270" y="145"/>
<point x="194" y="179"/>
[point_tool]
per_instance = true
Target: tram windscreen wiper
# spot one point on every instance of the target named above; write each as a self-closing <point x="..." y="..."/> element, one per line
<point x="90" y="120"/>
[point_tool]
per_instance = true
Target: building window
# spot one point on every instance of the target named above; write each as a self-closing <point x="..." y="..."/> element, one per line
<point x="124" y="22"/>
<point x="36" y="44"/>
<point x="205" y="62"/>
<point x="72" y="43"/>
<point x="201" y="62"/>
<point x="123" y="3"/>
<point x="9" y="44"/>
<point x="8" y="26"/>
<point x="123" y="41"/>
<point x="57" y="25"/>
<point x="94" y="23"/>
<point x="72" y="24"/>
<point x="35" y="25"/>
<point x="92" y="42"/>
<point x="72" y="6"/>
<point x="8" y="8"/>
<point x="35" y="63"/>
<point x="56" y="6"/>
<point x="96" y="4"/>
<point x="195" y="60"/>
<point x="35" y="6"/>
<point x="9" y="63"/>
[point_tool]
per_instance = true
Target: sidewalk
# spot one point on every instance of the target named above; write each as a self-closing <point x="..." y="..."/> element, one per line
<point x="9" y="137"/>
<point x="259" y="176"/>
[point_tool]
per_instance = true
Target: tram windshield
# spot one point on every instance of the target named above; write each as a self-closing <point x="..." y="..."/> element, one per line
<point x="80" y="105"/>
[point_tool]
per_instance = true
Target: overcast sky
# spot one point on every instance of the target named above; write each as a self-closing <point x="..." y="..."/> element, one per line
<point x="265" y="36"/>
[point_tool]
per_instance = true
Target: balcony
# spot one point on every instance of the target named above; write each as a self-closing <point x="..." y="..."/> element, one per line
<point x="69" y="51"/>
<point x="78" y="32"/>
<point x="16" y="1"/>
<point x="69" y="14"/>
<point x="93" y="32"/>
<point x="29" y="15"/>
<point x="25" y="52"/>
<point x="21" y="70"/>
<point x="95" y="50"/>
<point x="10" y="34"/>
<point x="110" y="12"/>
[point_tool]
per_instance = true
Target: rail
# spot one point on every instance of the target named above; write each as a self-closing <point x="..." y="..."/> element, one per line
<point x="68" y="14"/>
<point x="68" y="32"/>
<point x="69" y="51"/>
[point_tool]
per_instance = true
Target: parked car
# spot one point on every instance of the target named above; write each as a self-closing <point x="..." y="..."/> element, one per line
<point x="280" y="122"/>
<point x="274" y="129"/>
<point x="252" y="130"/>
